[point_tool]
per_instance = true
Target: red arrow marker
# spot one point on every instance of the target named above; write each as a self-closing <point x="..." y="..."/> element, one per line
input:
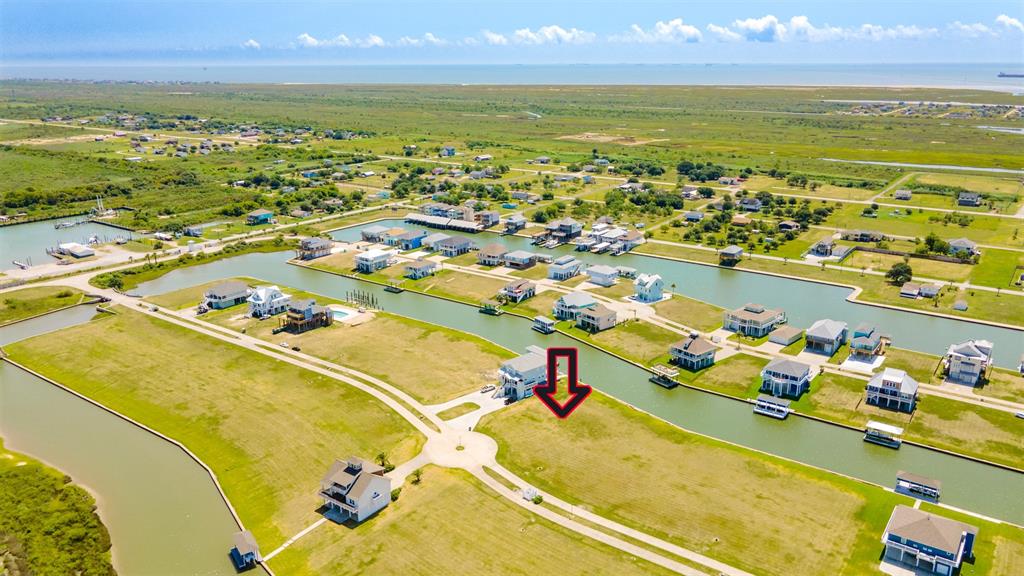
<point x="577" y="392"/>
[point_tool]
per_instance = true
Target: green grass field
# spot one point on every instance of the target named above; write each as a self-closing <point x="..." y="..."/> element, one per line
<point x="451" y="524"/>
<point x="26" y="302"/>
<point x="691" y="312"/>
<point x="266" y="428"/>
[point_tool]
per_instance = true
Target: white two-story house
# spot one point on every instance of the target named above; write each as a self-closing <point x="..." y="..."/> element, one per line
<point x="354" y="489"/>
<point x="266" y="301"/>
<point x="519" y="375"/>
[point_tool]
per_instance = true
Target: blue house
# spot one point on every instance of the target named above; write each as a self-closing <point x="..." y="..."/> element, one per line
<point x="412" y="240"/>
<point x="448" y="151"/>
<point x="246" y="552"/>
<point x="927" y="541"/>
<point x="257" y="217"/>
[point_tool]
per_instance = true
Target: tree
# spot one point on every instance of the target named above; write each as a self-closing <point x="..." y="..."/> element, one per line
<point x="900" y="273"/>
<point x="417" y="475"/>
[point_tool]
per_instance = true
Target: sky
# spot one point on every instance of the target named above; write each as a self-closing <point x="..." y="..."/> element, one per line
<point x="526" y="32"/>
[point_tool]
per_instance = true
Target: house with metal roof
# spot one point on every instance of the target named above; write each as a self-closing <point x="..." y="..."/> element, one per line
<point x="785" y="377"/>
<point x="518" y="376"/>
<point x="893" y="389"/>
<point x="226" y="295"/>
<point x="730" y="254"/>
<point x="564" y="267"/>
<point x="514" y="223"/>
<point x="372" y="260"/>
<point x="261" y="216"/>
<point x="569" y="306"/>
<point x="431" y="240"/>
<point x="927" y="542"/>
<point x="453" y="246"/>
<point x="354" y="489"/>
<point x="969" y="199"/>
<point x="693" y="352"/>
<point x="967" y="362"/>
<point x="825" y="336"/>
<point x="753" y="320"/>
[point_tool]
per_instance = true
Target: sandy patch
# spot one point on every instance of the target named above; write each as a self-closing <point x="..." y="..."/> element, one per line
<point x="610" y="139"/>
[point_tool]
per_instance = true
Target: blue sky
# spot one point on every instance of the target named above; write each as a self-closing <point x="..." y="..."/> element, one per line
<point x="551" y="31"/>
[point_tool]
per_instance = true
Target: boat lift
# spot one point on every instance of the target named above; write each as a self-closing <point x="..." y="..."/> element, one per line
<point x="664" y="376"/>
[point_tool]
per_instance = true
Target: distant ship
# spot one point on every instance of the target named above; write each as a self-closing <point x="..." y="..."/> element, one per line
<point x="1010" y="75"/>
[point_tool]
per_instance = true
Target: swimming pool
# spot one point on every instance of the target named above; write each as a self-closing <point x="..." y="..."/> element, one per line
<point x="340" y="314"/>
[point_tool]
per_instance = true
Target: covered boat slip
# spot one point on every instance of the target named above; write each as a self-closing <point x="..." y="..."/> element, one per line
<point x="917" y="486"/>
<point x="664" y="376"/>
<point x="771" y="406"/>
<point x="883" y="434"/>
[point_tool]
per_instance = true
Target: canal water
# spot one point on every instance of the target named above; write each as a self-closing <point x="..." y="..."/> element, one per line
<point x="979" y="487"/>
<point x="163" y="511"/>
<point x="804" y="302"/>
<point x="28" y="242"/>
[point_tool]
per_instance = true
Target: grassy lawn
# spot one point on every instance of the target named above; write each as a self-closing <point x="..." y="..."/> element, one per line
<point x="540" y="305"/>
<point x="982" y="229"/>
<point x="1005" y="384"/>
<point x="796" y="347"/>
<point x="691" y="312"/>
<point x="26" y="302"/>
<point x="191" y="296"/>
<point x="456" y="411"/>
<point x="738" y="375"/>
<point x="620" y="289"/>
<point x="49" y="525"/>
<point x="398" y="350"/>
<point x="536" y="272"/>
<point x="268" y="429"/>
<point x="759" y="183"/>
<point x="757" y="520"/>
<point x="998" y="268"/>
<point x="922" y="267"/>
<point x="919" y="365"/>
<point x="462" y="286"/>
<point x="450" y="523"/>
<point x="639" y="341"/>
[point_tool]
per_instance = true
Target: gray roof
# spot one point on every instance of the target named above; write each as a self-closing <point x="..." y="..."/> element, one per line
<point x="733" y="250"/>
<point x="493" y="250"/>
<point x="521" y="284"/>
<point x="259" y="212"/>
<point x="519" y="255"/>
<point x="963" y="243"/>
<point x="788" y="367"/>
<point x="310" y="243"/>
<point x="599" y="311"/>
<point x="375" y="229"/>
<point x="907" y="384"/>
<point x="754" y="313"/>
<point x="577" y="299"/>
<point x="926" y="528"/>
<point x="602" y="269"/>
<point x="970" y="348"/>
<point x="826" y="329"/>
<point x="526" y="362"/>
<point x="694" y="345"/>
<point x="918" y="479"/>
<point x="245" y="542"/>
<point x="343" y="471"/>
<point x="421" y="265"/>
<point x="452" y="242"/>
<point x="301" y="304"/>
<point x="225" y="289"/>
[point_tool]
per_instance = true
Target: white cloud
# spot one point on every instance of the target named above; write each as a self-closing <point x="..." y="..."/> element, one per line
<point x="724" y="33"/>
<point x="428" y="39"/>
<point x="672" y="31"/>
<point x="494" y="39"/>
<point x="251" y="44"/>
<point x="470" y="41"/>
<point x="763" y="29"/>
<point x="311" y="42"/>
<point x="800" y="28"/>
<point x="1010" y="22"/>
<point x="553" y="34"/>
<point x="971" y="30"/>
<point x="898" y="32"/>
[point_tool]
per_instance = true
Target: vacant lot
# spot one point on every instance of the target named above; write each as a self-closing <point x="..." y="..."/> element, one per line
<point x="268" y="429"/>
<point x="20" y="304"/>
<point x="450" y="523"/>
<point x="640" y="341"/>
<point x="690" y="312"/>
<point x="756" y="519"/>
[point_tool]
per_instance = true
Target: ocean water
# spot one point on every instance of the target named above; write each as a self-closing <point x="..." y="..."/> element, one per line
<point x="978" y="76"/>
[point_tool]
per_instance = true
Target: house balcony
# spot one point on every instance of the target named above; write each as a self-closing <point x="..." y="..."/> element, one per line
<point x="339" y="502"/>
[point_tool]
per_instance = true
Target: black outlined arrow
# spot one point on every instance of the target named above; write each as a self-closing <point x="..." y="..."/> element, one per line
<point x="577" y="392"/>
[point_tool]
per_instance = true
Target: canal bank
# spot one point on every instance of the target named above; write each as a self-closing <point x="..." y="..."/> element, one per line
<point x="970" y="485"/>
<point x="163" y="511"/>
<point x="27" y="242"/>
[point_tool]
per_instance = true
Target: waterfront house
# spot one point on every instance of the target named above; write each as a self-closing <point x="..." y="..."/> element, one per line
<point x="304" y="314"/>
<point x="903" y="194"/>
<point x="420" y="269"/>
<point x="372" y="260"/>
<point x="564" y="267"/>
<point x="518" y="290"/>
<point x="648" y="288"/>
<point x="354" y="489"/>
<point x="631" y="239"/>
<point x="453" y="246"/>
<point x="823" y="248"/>
<point x="257" y="217"/>
<point x="246" y="553"/>
<point x="514" y="223"/>
<point x="596" y="319"/>
<point x="626" y="272"/>
<point x="411" y="240"/>
<point x="487" y="218"/>
<point x="431" y="240"/>
<point x="929" y="290"/>
<point x="910" y="290"/>
<point x="693" y="352"/>
<point x="730" y="254"/>
<point x="519" y="259"/>
<point x="963" y="248"/>
<point x="393" y="237"/>
<point x="694" y="216"/>
<point x="749" y="204"/>
<point x="789" y="225"/>
<point x="785" y="335"/>
<point x="826" y="336"/>
<point x="753" y="320"/>
<point x="969" y="199"/>
<point x="968" y="362"/>
<point x="866" y="342"/>
<point x="310" y="248"/>
<point x="893" y="389"/>
<point x="266" y="301"/>
<point x="226" y="295"/>
<point x="491" y="255"/>
<point x="564" y="230"/>
<point x="518" y="376"/>
<point x="785" y="377"/>
<point x="569" y="306"/>
<point x="602" y="275"/>
<point x="926" y="541"/>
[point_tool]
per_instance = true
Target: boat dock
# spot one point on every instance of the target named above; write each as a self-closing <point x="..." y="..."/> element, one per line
<point x="771" y="406"/>
<point x="664" y="376"/>
<point x="883" y="434"/>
